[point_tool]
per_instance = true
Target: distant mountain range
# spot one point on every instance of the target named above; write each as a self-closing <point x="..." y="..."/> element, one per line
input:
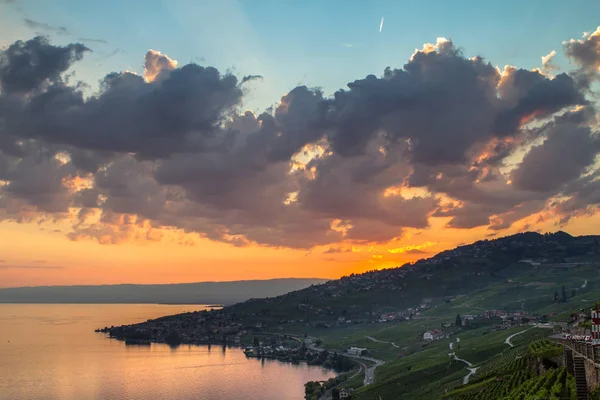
<point x="182" y="293"/>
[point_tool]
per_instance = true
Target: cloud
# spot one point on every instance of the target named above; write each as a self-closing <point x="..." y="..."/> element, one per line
<point x="548" y="62"/>
<point x="90" y="40"/>
<point x="30" y="65"/>
<point x="544" y="97"/>
<point x="585" y="52"/>
<point x="569" y="148"/>
<point x="416" y="251"/>
<point x="333" y="250"/>
<point x="60" y="30"/>
<point x="171" y="154"/>
<point x="156" y="62"/>
<point x="251" y="78"/>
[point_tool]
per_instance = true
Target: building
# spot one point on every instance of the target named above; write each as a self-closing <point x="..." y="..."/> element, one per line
<point x="345" y="393"/>
<point x="434" y="334"/>
<point x="356" y="351"/>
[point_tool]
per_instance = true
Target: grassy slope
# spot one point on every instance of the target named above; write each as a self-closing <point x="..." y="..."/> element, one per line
<point x="428" y="372"/>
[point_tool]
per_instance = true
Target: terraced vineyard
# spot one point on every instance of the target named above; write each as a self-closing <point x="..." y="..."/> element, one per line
<point x="554" y="385"/>
<point x="511" y="377"/>
<point x="496" y="381"/>
<point x="544" y="349"/>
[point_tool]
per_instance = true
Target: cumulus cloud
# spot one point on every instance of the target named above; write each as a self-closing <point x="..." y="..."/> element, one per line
<point x="548" y="62"/>
<point x="26" y="66"/>
<point x="569" y="148"/>
<point x="171" y="151"/>
<point x="156" y="62"/>
<point x="585" y="52"/>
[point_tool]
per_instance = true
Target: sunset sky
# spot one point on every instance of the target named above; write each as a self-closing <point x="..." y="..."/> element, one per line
<point x="189" y="141"/>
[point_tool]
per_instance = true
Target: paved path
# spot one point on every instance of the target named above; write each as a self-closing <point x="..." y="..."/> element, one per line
<point x="472" y="369"/>
<point x="507" y="341"/>
<point x="453" y="354"/>
<point x="381" y="341"/>
<point x="370" y="371"/>
<point x="471" y="372"/>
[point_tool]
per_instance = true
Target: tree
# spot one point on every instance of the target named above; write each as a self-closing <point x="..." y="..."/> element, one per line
<point x="458" y="321"/>
<point x="173" y="338"/>
<point x="573" y="292"/>
<point x="556" y="296"/>
<point x="564" y="295"/>
<point x="335" y="393"/>
<point x="256" y="342"/>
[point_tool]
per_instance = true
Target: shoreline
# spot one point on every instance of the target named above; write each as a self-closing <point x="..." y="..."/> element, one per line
<point x="272" y="357"/>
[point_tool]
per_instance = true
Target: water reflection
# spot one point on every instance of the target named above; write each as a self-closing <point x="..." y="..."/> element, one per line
<point x="51" y="352"/>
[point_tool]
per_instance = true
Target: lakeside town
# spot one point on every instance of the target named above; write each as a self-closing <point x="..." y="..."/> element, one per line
<point x="216" y="327"/>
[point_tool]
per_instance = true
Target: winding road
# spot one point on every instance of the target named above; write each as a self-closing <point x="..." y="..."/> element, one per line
<point x="507" y="341"/>
<point x="471" y="369"/>
<point x="381" y="341"/>
<point x="369" y="371"/>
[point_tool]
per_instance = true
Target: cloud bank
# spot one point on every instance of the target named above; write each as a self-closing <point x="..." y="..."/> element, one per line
<point x="444" y="136"/>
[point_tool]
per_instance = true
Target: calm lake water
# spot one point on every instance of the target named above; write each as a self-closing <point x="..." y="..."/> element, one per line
<point x="50" y="351"/>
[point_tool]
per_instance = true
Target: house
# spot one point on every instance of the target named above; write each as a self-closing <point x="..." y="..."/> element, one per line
<point x="356" y="351"/>
<point x="434" y="334"/>
<point x="345" y="393"/>
<point x="387" y="317"/>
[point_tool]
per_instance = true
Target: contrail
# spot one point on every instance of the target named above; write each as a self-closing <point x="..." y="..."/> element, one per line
<point x="381" y="25"/>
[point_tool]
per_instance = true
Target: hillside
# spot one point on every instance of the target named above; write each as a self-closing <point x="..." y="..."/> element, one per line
<point x="464" y="270"/>
<point x="190" y="293"/>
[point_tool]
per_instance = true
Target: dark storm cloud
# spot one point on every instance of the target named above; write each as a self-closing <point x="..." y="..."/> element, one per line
<point x="59" y="30"/>
<point x="440" y="101"/>
<point x="568" y="150"/>
<point x="26" y="66"/>
<point x="178" y="113"/>
<point x="170" y="149"/>
<point x="586" y="52"/>
<point x="541" y="99"/>
<point x="298" y="121"/>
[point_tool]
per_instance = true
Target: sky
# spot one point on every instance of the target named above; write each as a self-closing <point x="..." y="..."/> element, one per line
<point x="185" y="141"/>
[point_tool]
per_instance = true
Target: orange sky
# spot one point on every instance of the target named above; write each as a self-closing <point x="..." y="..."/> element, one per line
<point x="29" y="250"/>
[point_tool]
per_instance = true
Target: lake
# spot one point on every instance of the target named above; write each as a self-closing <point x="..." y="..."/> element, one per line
<point x="50" y="351"/>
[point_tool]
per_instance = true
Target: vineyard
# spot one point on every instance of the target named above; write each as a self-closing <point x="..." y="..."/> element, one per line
<point x="511" y="377"/>
<point x="544" y="349"/>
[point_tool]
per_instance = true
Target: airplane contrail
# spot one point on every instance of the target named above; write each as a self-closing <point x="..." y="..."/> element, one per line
<point x="381" y="25"/>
